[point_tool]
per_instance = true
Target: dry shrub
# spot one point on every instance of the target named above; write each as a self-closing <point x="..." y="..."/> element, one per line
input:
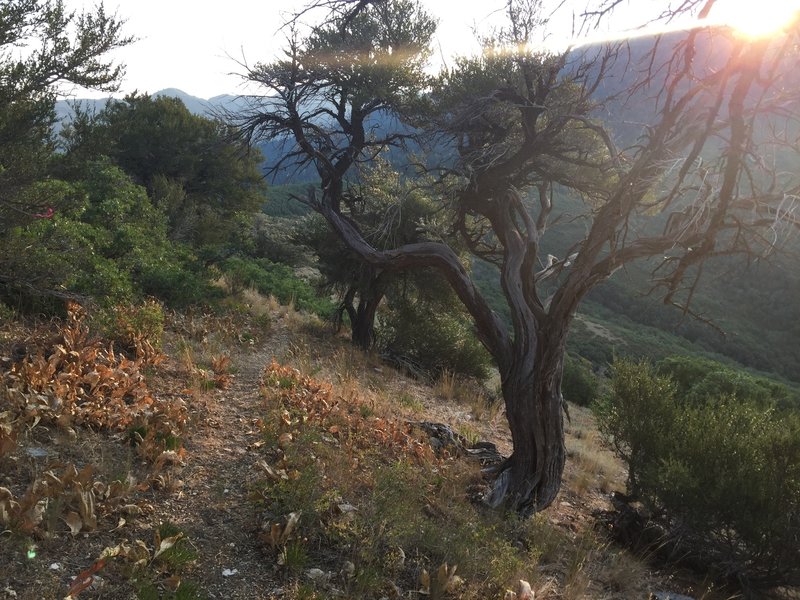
<point x="72" y="497"/>
<point x="329" y="447"/>
<point x="304" y="400"/>
<point x="82" y="381"/>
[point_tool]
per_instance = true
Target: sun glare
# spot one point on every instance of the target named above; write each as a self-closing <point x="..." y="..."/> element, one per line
<point x="764" y="18"/>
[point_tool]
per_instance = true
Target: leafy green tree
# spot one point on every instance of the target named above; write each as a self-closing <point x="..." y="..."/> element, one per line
<point x="579" y="383"/>
<point x="701" y="379"/>
<point x="44" y="47"/>
<point x="390" y="210"/>
<point x="190" y="165"/>
<point x="106" y="241"/>
<point x="522" y="126"/>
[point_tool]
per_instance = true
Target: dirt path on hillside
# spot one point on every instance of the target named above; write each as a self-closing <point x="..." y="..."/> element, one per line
<point x="214" y="507"/>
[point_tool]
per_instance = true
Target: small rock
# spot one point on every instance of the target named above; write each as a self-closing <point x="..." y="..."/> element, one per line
<point x="316" y="575"/>
<point x="348" y="569"/>
<point x="56" y="567"/>
<point x="345" y="508"/>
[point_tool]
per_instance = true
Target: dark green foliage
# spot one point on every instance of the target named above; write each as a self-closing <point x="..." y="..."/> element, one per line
<point x="273" y="279"/>
<point x="748" y="303"/>
<point x="106" y="241"/>
<point x="42" y="46"/>
<point x="700" y="380"/>
<point x="579" y="384"/>
<point x="432" y="329"/>
<point x="191" y="169"/>
<point x="634" y="416"/>
<point x="281" y="202"/>
<point x="130" y="325"/>
<point x="274" y="238"/>
<point x="178" y="285"/>
<point x="725" y="471"/>
<point x="62" y="254"/>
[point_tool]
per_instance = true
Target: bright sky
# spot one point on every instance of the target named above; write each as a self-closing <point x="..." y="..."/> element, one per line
<point x="194" y="46"/>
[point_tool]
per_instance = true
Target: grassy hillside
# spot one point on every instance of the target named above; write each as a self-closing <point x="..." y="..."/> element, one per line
<point x="276" y="461"/>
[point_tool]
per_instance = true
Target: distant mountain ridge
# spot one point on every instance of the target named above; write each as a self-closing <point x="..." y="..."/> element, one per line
<point x="198" y="106"/>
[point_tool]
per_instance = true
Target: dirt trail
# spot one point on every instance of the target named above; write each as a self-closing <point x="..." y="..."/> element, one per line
<point x="213" y="507"/>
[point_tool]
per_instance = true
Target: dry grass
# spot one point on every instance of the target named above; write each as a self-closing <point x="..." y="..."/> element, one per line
<point x="376" y="507"/>
<point x="593" y="466"/>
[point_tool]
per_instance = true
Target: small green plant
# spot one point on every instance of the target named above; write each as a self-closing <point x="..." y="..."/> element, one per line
<point x="134" y="326"/>
<point x="180" y="554"/>
<point x="6" y="313"/>
<point x="470" y="433"/>
<point x="410" y="401"/>
<point x="293" y="556"/>
<point x="274" y="279"/>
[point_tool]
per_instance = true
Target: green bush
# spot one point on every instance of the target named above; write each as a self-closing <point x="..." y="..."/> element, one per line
<point x="60" y="255"/>
<point x="579" y="384"/>
<point x="7" y="314"/>
<point x="130" y="324"/>
<point x="700" y="379"/>
<point x="176" y="285"/>
<point x="273" y="279"/>
<point x="437" y="340"/>
<point x="725" y="472"/>
<point x="635" y="417"/>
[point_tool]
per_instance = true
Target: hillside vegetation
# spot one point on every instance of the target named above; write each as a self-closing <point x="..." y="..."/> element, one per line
<point x="412" y="350"/>
<point x="264" y="458"/>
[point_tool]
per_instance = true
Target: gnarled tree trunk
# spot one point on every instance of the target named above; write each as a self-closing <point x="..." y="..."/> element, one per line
<point x="362" y="321"/>
<point x="370" y="292"/>
<point x="531" y="477"/>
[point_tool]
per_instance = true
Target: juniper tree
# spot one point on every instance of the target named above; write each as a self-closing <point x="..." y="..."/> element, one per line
<point x="525" y="132"/>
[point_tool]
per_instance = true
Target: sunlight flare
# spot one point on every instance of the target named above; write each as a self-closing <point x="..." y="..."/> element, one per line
<point x="765" y="18"/>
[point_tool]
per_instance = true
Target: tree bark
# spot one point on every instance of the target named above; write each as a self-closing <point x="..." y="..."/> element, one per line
<point x="371" y="291"/>
<point x="362" y="321"/>
<point x="530" y="479"/>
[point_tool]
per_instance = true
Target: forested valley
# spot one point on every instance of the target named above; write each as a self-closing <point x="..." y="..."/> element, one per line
<point x="522" y="328"/>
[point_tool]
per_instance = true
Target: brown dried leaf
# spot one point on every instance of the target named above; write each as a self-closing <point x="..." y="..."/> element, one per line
<point x="74" y="522"/>
<point x="85" y="475"/>
<point x="87" y="509"/>
<point x="33" y="516"/>
<point x="272" y="473"/>
<point x="166" y="544"/>
<point x="425" y="582"/>
<point x="524" y="591"/>
<point x="168" y="457"/>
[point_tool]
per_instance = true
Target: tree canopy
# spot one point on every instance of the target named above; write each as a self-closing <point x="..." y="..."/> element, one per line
<point x="43" y="48"/>
<point x="191" y="165"/>
<point x="524" y="131"/>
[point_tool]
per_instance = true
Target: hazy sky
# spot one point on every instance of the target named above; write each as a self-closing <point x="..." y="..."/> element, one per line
<point x="195" y="46"/>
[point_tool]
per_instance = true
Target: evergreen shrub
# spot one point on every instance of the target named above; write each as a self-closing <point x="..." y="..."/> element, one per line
<point x="723" y="473"/>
